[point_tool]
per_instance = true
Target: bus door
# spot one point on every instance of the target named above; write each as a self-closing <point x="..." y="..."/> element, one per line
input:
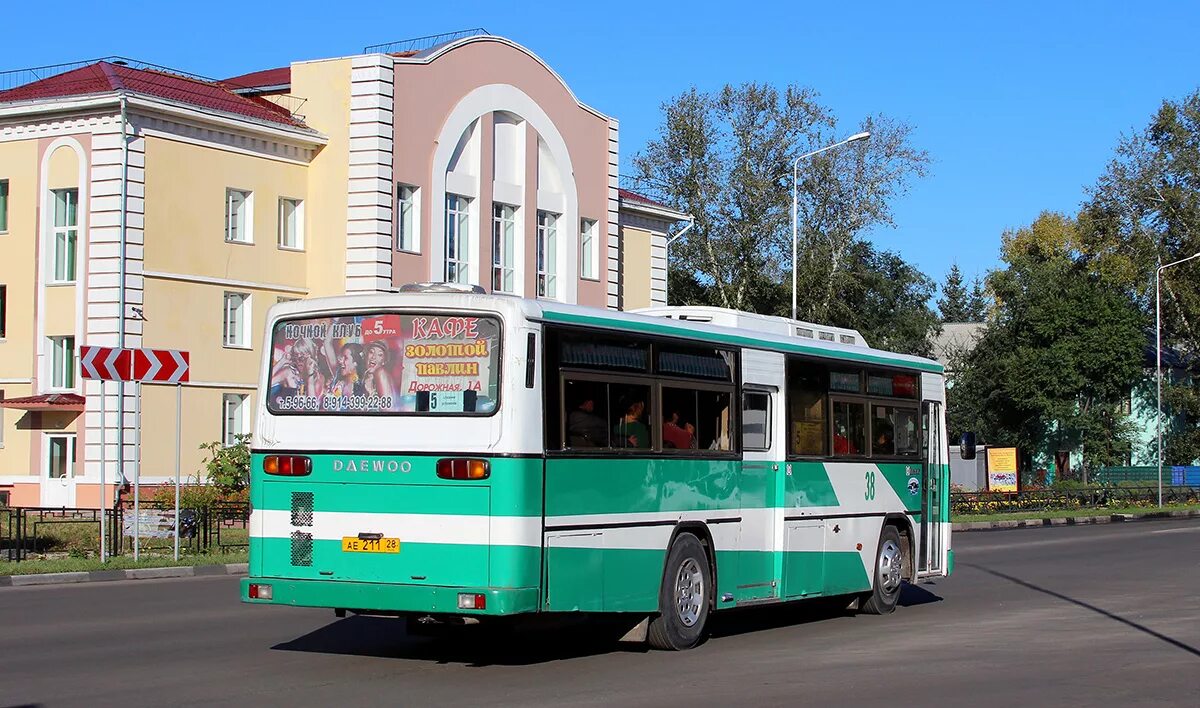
<point x="932" y="537"/>
<point x="759" y="566"/>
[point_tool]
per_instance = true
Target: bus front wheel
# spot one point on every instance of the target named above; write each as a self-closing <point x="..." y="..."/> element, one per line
<point x="889" y="564"/>
<point x="684" y="598"/>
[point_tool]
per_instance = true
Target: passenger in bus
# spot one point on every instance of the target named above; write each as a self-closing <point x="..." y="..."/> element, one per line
<point x="677" y="435"/>
<point x="630" y="431"/>
<point x="584" y="427"/>
<point x="378" y="380"/>
<point x="843" y="445"/>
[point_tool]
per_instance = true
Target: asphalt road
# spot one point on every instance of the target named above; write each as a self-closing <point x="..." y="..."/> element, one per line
<point x="1096" y="615"/>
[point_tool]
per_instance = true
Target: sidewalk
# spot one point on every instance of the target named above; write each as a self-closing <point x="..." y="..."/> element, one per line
<point x="131" y="574"/>
<point x="1072" y="520"/>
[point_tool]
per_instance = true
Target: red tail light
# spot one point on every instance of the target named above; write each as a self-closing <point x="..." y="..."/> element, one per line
<point x="287" y="465"/>
<point x="461" y="468"/>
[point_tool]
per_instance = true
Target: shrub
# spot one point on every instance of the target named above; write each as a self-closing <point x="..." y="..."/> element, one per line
<point x="228" y="467"/>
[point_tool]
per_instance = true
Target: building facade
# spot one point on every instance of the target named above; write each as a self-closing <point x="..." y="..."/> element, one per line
<point x="169" y="211"/>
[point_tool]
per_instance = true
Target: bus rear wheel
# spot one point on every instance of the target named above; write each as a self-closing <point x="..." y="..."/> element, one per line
<point x="888" y="575"/>
<point x="684" y="598"/>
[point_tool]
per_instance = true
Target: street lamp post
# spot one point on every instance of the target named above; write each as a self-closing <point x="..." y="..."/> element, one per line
<point x="691" y="222"/>
<point x="795" y="179"/>
<point x="1158" y="360"/>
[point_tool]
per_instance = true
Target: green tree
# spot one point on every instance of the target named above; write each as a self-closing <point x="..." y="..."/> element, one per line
<point x="726" y="158"/>
<point x="887" y="300"/>
<point x="977" y="302"/>
<point x="954" y="304"/>
<point x="1144" y="212"/>
<point x="1058" y="359"/>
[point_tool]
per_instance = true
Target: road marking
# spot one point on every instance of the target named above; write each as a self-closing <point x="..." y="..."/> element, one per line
<point x="1187" y="530"/>
<point x="1127" y="532"/>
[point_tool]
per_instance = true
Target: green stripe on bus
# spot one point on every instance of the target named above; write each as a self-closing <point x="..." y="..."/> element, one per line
<point x="627" y="580"/>
<point x="809" y="485"/>
<point x="441" y="564"/>
<point x="628" y="486"/>
<point x="687" y="333"/>
<point x="515" y="486"/>
<point x="905" y="480"/>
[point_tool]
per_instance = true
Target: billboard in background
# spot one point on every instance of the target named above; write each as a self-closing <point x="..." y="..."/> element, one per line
<point x="1002" y="469"/>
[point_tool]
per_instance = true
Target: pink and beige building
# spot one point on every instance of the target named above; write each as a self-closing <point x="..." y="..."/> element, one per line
<point x="164" y="210"/>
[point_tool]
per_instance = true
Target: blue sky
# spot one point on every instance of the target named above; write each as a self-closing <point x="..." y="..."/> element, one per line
<point x="1020" y="104"/>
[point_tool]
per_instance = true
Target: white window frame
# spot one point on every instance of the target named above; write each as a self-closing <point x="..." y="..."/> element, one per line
<point x="504" y="248"/>
<point x="297" y="225"/>
<point x="235" y="417"/>
<point x="408" y="231"/>
<point x="589" y="249"/>
<point x="235" y="332"/>
<point x="458" y="235"/>
<point x="547" y="255"/>
<point x="62" y="364"/>
<point x="243" y="229"/>
<point x="64" y="239"/>
<point x="72" y="452"/>
<point x="3" y="311"/>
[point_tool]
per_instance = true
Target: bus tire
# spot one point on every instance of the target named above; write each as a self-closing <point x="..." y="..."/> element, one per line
<point x="684" y="597"/>
<point x="887" y="575"/>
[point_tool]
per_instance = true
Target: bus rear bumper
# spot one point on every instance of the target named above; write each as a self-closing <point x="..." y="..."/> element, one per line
<point x="390" y="597"/>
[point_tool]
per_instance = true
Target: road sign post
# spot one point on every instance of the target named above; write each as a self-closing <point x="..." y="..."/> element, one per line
<point x="103" y="453"/>
<point x="137" y="366"/>
<point x="137" y="468"/>
<point x="178" y="427"/>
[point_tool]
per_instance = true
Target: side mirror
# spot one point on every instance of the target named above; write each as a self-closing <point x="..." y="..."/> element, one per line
<point x="966" y="446"/>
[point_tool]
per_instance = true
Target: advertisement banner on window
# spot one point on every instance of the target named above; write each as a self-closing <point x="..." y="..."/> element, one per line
<point x="1002" y="469"/>
<point x="376" y="363"/>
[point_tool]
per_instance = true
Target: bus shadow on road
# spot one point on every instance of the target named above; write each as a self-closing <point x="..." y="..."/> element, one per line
<point x="793" y="614"/>
<point x="387" y="638"/>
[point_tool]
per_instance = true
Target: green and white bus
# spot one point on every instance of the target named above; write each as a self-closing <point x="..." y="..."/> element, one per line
<point x="441" y="454"/>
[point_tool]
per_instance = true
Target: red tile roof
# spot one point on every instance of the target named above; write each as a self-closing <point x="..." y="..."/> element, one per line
<point x="104" y="77"/>
<point x="281" y="76"/>
<point x="46" y="402"/>
<point x="628" y="196"/>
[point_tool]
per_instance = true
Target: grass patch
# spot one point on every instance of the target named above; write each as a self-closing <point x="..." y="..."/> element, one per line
<point x="74" y="565"/>
<point x="1067" y="513"/>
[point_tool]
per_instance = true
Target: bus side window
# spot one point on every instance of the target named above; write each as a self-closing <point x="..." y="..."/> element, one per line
<point x="807" y="386"/>
<point x="756" y="421"/>
<point x="849" y="428"/>
<point x="587" y="411"/>
<point x="629" y="413"/>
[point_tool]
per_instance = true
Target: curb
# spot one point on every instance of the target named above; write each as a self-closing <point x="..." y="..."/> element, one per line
<point x="97" y="576"/>
<point x="1071" y="520"/>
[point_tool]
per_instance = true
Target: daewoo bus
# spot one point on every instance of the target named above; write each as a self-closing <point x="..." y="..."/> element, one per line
<point x="442" y="454"/>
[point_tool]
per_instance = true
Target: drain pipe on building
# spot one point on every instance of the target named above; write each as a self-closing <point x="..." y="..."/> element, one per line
<point x="121" y="290"/>
<point x="691" y="222"/>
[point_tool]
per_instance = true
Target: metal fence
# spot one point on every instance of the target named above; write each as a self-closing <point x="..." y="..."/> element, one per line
<point x="1095" y="497"/>
<point x="217" y="528"/>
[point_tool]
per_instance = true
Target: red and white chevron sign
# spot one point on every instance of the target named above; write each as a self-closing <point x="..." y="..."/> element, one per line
<point x="161" y="365"/>
<point x="114" y="364"/>
<point x="105" y="363"/>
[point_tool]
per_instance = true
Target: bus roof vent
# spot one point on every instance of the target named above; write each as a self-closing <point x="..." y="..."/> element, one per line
<point x="769" y="324"/>
<point x="459" y="288"/>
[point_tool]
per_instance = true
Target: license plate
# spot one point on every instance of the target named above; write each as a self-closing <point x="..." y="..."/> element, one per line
<point x="354" y="544"/>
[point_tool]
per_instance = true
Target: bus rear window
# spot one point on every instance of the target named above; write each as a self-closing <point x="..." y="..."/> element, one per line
<point x="385" y="363"/>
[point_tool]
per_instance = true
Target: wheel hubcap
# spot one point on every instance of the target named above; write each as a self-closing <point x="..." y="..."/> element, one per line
<point x="689" y="592"/>
<point x="889" y="567"/>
